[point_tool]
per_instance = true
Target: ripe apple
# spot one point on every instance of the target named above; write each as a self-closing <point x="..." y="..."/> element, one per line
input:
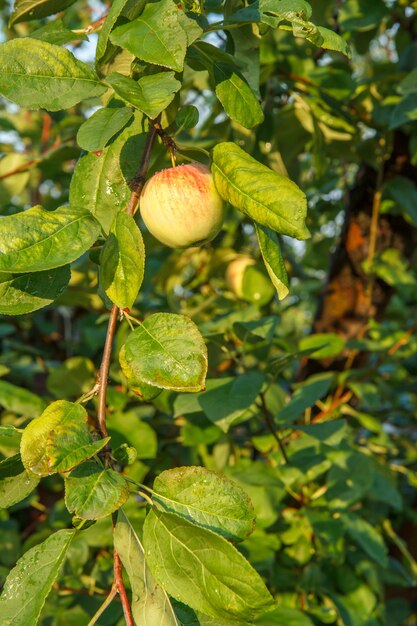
<point x="181" y="207"/>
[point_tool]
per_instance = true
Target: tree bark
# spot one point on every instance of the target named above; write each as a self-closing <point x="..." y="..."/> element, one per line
<point x="346" y="303"/>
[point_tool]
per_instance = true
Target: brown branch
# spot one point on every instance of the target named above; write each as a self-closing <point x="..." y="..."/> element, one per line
<point x="103" y="374"/>
<point x="46" y="128"/>
<point x="136" y="186"/>
<point x="91" y="28"/>
<point x="337" y="401"/>
<point x="119" y="584"/>
<point x="271" y="427"/>
<point x="34" y="162"/>
<point x="403" y="340"/>
<point x="139" y="180"/>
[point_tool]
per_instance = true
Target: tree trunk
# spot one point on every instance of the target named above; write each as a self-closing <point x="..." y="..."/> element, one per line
<point x="348" y="300"/>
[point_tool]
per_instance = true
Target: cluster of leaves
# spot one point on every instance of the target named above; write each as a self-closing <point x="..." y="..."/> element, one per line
<point x="324" y="465"/>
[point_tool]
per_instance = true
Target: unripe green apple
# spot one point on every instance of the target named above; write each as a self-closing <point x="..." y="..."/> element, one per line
<point x="181" y="207"/>
<point x="248" y="281"/>
<point x="234" y="274"/>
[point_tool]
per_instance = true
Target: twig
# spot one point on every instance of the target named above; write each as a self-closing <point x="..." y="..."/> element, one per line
<point x="271" y="427"/>
<point x="34" y="162"/>
<point x="103" y="375"/>
<point x="373" y="232"/>
<point x="139" y="180"/>
<point x="402" y="340"/>
<point x="119" y="585"/>
<point x="136" y="186"/>
<point x="91" y="28"/>
<point x="104" y="606"/>
<point x="46" y="128"/>
<point x="104" y="370"/>
<point x="334" y="405"/>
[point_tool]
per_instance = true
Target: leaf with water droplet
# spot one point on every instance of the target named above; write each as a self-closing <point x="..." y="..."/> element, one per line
<point x="58" y="440"/>
<point x="30" y="581"/>
<point x="192" y="562"/>
<point x="205" y="498"/>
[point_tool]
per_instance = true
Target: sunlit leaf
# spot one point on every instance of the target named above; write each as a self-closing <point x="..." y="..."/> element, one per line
<point x="36" y="74"/>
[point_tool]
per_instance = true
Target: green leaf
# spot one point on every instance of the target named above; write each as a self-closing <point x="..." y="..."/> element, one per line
<point x="328" y="39"/>
<point x="304" y="398"/>
<point x="403" y="192"/>
<point x="150" y="94"/>
<point x="405" y="111"/>
<point x="30" y="581"/>
<point x="367" y="537"/>
<point x="207" y="499"/>
<point x="99" y="182"/>
<point x="284" y="616"/>
<point x="19" y="400"/>
<point x="202" y="569"/>
<point x="187" y="117"/>
<point x="26" y="10"/>
<point x="361" y="15"/>
<point x="150" y="603"/>
<point x="36" y="74"/>
<point x="139" y="388"/>
<point x="91" y="491"/>
<point x="409" y="83"/>
<point x="327" y="344"/>
<point x="30" y="292"/>
<point x="103" y="36"/>
<point x="36" y="240"/>
<point x="274" y="263"/>
<point x="278" y="10"/>
<point x="122" y="262"/>
<point x="127" y="426"/>
<point x="236" y="97"/>
<point x="7" y="430"/>
<point x="15" y="482"/>
<point x="256" y="330"/>
<point x="228" y="399"/>
<point x="350" y="478"/>
<point x="165" y="46"/>
<point x="331" y="433"/>
<point x="97" y="131"/>
<point x="167" y="351"/>
<point x="232" y="90"/>
<point x="58" y="440"/>
<point x="392" y="268"/>
<point x="265" y="196"/>
<point x="72" y="378"/>
<point x="56" y="33"/>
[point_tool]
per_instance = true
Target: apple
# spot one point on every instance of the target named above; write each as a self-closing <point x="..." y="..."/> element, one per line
<point x="247" y="279"/>
<point x="235" y="272"/>
<point x="181" y="207"/>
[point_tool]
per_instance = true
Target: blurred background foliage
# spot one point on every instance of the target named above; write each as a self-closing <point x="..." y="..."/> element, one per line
<point x="311" y="402"/>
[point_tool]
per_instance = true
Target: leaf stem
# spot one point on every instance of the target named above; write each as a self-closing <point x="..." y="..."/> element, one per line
<point x="103" y="607"/>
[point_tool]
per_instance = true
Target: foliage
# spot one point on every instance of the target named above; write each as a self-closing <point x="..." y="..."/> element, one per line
<point x="244" y="469"/>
